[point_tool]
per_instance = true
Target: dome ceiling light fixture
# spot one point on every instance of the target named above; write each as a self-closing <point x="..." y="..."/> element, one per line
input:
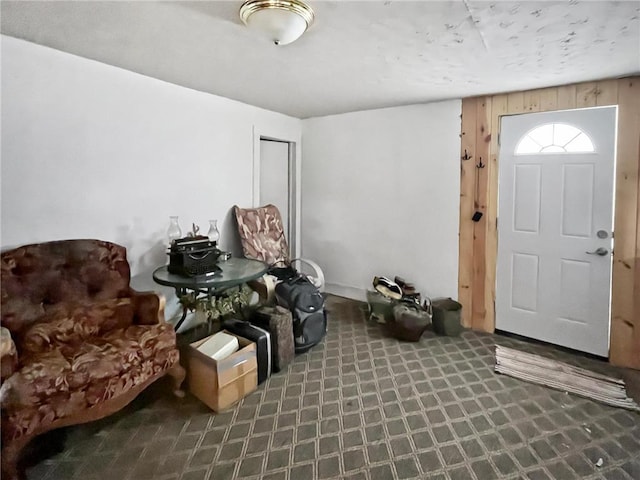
<point x="281" y="21"/>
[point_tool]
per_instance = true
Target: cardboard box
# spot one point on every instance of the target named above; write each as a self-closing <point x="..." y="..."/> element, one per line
<point x="220" y="384"/>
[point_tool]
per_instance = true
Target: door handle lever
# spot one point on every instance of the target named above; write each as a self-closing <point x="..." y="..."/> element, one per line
<point x="599" y="251"/>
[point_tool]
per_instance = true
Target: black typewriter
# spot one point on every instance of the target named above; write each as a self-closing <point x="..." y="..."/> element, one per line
<point x="193" y="256"/>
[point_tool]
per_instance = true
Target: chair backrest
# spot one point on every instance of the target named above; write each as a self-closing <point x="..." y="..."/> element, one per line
<point x="262" y="234"/>
<point x="38" y="278"/>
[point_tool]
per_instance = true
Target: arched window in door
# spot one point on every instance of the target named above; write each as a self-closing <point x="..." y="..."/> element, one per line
<point x="554" y="138"/>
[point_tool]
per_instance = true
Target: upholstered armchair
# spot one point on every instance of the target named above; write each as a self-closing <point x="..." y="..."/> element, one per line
<point x="77" y="343"/>
<point x="262" y="237"/>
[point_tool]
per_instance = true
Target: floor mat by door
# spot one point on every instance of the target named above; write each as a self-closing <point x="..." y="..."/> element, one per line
<point x="562" y="376"/>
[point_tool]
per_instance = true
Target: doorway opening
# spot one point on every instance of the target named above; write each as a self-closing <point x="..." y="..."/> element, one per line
<point x="277" y="183"/>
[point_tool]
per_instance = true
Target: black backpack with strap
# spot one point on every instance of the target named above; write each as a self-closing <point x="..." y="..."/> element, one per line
<point x="306" y="304"/>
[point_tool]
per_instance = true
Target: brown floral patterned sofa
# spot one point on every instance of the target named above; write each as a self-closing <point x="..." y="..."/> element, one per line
<point x="77" y="342"/>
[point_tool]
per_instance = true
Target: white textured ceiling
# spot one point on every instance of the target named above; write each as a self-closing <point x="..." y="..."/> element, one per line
<point x="357" y="55"/>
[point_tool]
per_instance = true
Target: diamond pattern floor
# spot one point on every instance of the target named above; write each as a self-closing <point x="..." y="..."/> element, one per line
<point x="363" y="406"/>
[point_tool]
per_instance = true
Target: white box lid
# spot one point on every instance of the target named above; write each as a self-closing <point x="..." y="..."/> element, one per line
<point x="219" y="346"/>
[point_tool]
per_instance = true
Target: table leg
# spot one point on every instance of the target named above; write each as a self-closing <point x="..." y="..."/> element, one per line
<point x="180" y="293"/>
<point x="181" y="321"/>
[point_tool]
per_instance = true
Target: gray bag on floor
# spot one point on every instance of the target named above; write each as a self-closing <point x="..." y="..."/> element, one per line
<point x="306" y="304"/>
<point x="380" y="307"/>
<point x="446" y="317"/>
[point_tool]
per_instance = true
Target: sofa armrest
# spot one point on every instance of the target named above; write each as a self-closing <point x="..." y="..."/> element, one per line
<point x="148" y="307"/>
<point x="8" y="354"/>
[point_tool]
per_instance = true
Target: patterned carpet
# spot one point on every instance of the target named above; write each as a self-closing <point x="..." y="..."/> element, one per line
<point x="362" y="406"/>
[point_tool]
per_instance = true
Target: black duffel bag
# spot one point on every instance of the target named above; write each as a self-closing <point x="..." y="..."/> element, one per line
<point x="306" y="304"/>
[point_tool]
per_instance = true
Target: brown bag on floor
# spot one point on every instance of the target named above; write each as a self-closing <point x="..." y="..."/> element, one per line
<point x="409" y="322"/>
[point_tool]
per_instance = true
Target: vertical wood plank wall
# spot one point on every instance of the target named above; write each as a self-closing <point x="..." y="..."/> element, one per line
<point x="479" y="240"/>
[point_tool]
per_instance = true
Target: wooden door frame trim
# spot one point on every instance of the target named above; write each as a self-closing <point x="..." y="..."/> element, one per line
<point x="478" y="240"/>
<point x="295" y="177"/>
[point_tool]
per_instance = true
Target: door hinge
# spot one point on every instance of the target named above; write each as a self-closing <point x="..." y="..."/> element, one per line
<point x="498" y="138"/>
<point x="496" y="223"/>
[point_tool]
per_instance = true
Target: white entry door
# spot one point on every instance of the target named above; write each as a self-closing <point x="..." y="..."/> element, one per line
<point x="555" y="220"/>
<point x="275" y="179"/>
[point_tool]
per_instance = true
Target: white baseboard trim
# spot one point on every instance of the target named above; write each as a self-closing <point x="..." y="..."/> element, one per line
<point x="347" y="292"/>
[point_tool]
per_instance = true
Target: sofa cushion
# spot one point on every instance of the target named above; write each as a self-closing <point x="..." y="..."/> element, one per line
<point x="71" y="324"/>
<point x="98" y="365"/>
<point x="8" y="354"/>
<point x="23" y="421"/>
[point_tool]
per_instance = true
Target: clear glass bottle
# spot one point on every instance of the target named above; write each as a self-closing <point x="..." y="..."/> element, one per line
<point x="173" y="232"/>
<point x="213" y="233"/>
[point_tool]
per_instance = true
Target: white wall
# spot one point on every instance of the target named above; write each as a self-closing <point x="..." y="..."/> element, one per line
<point x="94" y="151"/>
<point x="380" y="196"/>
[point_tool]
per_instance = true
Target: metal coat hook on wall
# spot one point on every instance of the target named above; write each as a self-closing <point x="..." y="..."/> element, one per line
<point x="477" y="214"/>
<point x="466" y="156"/>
